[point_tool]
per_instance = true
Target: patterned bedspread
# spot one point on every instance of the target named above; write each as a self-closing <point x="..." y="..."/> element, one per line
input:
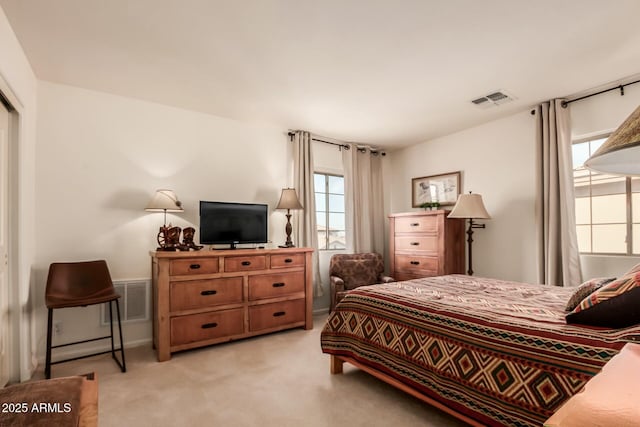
<point x="499" y="352"/>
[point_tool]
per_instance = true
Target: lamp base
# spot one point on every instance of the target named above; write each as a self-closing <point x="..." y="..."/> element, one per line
<point x="287" y="245"/>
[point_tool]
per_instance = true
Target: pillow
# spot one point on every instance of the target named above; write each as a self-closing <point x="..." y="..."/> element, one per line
<point x="634" y="269"/>
<point x="614" y="305"/>
<point x="586" y="289"/>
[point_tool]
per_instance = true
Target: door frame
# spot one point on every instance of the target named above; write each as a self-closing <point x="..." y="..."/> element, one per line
<point x="20" y="321"/>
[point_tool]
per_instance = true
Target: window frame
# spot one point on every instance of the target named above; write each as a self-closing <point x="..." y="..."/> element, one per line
<point x="628" y="204"/>
<point x="325" y="246"/>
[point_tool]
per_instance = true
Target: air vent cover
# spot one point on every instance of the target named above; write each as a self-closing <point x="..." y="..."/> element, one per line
<point x="493" y="99"/>
<point x="134" y="304"/>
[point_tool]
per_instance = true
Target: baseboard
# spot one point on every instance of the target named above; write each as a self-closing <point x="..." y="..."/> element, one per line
<point x="321" y="311"/>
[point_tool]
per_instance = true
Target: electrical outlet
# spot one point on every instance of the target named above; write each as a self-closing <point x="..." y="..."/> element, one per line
<point x="57" y="328"/>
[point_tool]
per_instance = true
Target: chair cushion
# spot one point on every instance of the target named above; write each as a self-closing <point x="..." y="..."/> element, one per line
<point x="359" y="272"/>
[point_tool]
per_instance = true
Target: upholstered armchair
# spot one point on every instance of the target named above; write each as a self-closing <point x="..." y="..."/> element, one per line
<point x="348" y="271"/>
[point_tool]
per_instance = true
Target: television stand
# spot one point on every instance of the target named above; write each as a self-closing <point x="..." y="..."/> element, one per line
<point x="204" y="298"/>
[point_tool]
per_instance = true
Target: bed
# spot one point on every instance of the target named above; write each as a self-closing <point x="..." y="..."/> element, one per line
<point x="488" y="351"/>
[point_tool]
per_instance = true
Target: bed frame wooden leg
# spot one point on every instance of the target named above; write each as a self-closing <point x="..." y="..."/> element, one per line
<point x="336" y="365"/>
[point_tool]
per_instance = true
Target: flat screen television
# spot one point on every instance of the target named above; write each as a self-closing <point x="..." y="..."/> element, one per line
<point x="232" y="223"/>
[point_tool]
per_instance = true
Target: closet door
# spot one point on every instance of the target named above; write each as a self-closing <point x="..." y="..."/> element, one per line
<point x="4" y="241"/>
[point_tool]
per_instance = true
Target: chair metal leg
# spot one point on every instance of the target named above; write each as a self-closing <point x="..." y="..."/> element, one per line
<point x="123" y="367"/>
<point x="113" y="351"/>
<point x="47" y="366"/>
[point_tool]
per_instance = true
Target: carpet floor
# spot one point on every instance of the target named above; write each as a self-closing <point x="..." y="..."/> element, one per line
<point x="280" y="379"/>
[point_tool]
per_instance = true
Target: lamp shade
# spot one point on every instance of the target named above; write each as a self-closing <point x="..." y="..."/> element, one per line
<point x="469" y="206"/>
<point x="164" y="201"/>
<point x="620" y="153"/>
<point x="289" y="199"/>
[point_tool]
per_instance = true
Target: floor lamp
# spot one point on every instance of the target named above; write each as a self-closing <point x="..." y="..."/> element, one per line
<point x="470" y="206"/>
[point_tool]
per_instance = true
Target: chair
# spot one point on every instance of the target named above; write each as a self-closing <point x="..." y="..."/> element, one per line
<point x="79" y="284"/>
<point x="348" y="271"/>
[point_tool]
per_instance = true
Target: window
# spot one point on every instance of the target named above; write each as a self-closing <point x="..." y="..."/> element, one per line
<point x="330" y="217"/>
<point x="607" y="206"/>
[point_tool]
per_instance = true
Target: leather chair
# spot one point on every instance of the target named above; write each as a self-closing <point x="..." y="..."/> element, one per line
<point x="79" y="284"/>
<point x="349" y="271"/>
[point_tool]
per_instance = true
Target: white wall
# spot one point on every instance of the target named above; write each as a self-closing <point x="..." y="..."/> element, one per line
<point x="18" y="82"/>
<point x="497" y="160"/>
<point x="593" y="116"/>
<point x="101" y="157"/>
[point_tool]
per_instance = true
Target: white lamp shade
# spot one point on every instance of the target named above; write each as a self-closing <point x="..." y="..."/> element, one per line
<point x="469" y="206"/>
<point x="289" y="199"/>
<point x="164" y="201"/>
<point x="620" y="153"/>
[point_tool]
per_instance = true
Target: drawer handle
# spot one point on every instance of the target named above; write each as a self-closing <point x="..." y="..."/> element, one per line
<point x="210" y="292"/>
<point x="415" y="243"/>
<point x="279" y="313"/>
<point x="194" y="266"/>
<point x="209" y="325"/>
<point x="415" y="224"/>
<point x="246" y="262"/>
<point x="278" y="285"/>
<point x="414" y="262"/>
<point x="288" y="260"/>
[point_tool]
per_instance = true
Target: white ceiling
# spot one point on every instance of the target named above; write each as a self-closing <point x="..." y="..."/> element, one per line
<point x="384" y="72"/>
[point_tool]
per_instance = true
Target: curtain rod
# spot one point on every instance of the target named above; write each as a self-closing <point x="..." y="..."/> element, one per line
<point x="345" y="146"/>
<point x="361" y="149"/>
<point x="621" y="87"/>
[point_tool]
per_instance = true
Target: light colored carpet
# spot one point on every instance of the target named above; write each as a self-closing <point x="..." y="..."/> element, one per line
<point x="280" y="379"/>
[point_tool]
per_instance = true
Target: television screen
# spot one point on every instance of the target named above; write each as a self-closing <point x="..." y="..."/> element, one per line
<point x="232" y="223"/>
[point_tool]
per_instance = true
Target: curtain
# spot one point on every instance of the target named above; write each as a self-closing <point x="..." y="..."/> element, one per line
<point x="305" y="219"/>
<point x="363" y="200"/>
<point x="558" y="256"/>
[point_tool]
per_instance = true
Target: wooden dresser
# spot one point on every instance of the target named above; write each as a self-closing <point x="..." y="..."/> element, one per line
<point x="423" y="244"/>
<point x="208" y="297"/>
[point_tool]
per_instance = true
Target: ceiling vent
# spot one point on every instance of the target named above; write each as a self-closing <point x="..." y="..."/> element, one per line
<point x="493" y="99"/>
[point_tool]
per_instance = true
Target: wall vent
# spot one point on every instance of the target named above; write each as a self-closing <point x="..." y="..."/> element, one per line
<point x="134" y="304"/>
<point x="493" y="99"/>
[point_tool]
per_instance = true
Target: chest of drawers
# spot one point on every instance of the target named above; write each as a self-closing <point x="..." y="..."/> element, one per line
<point x="423" y="244"/>
<point x="208" y="297"/>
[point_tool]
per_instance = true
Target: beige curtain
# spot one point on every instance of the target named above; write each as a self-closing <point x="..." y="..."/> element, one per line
<point x="363" y="200"/>
<point x="305" y="220"/>
<point x="558" y="256"/>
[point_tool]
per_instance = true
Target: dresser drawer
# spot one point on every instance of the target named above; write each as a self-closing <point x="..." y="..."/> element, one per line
<point x="206" y="326"/>
<point x="181" y="267"/>
<point x="275" y="285"/>
<point x="284" y="261"/>
<point x="414" y="263"/>
<point x="267" y="316"/>
<point x="205" y="293"/>
<point x="416" y="224"/>
<point x="417" y="243"/>
<point x="245" y="263"/>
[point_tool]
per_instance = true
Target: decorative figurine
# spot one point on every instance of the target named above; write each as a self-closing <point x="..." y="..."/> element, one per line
<point x="169" y="238"/>
<point x="187" y="240"/>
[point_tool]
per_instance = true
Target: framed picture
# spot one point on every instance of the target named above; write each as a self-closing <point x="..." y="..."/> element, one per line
<point x="443" y="188"/>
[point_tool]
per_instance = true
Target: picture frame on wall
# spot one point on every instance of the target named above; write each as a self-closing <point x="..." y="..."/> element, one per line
<point x="443" y="189"/>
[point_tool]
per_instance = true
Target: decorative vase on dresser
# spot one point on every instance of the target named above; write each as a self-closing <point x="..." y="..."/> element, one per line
<point x="423" y="244"/>
<point x="209" y="297"/>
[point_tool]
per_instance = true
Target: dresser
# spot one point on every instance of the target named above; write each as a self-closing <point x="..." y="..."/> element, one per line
<point x="423" y="244"/>
<point x="208" y="297"/>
